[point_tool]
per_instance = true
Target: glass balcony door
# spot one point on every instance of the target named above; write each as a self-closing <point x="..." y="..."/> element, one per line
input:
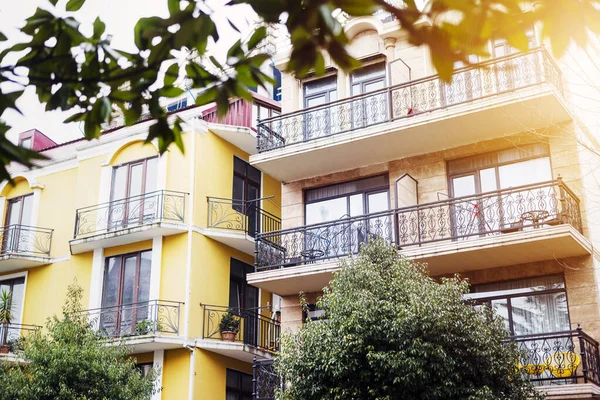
<point x="126" y="293"/>
<point x="18" y="214"/>
<point x="129" y="205"/>
<point x="369" y="110"/>
<point x="16" y="287"/>
<point x="321" y="121"/>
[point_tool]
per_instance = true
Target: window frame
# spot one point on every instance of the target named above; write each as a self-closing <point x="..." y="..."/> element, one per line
<point x="9" y="202"/>
<point x="326" y="91"/>
<point x="130" y="164"/>
<point x="237" y="391"/>
<point x="488" y="299"/>
<point x="364" y="192"/>
<point x="124" y="256"/>
<point x="247" y="179"/>
<point x="366" y="81"/>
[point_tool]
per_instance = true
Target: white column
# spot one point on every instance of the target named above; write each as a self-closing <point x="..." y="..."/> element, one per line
<point x="103" y="197"/>
<point x="155" y="267"/>
<point x="35" y="207"/>
<point x="97" y="278"/>
<point x="157" y="364"/>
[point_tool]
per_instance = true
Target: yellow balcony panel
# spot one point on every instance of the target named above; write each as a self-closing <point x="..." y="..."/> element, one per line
<point x="235" y="223"/>
<point x="129" y="220"/>
<point x="508" y="95"/>
<point x="257" y="333"/>
<point x="24" y="247"/>
<point x="518" y="225"/>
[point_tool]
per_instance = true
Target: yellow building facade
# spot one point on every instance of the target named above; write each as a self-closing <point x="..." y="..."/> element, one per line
<point x="160" y="243"/>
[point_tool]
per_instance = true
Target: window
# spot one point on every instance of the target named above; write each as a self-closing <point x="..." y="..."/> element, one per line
<point x="144" y="368"/>
<point x="314" y="313"/>
<point x="182" y="103"/>
<point x="133" y="181"/>
<point x="18" y="215"/>
<point x="368" y="79"/>
<point x="321" y="121"/>
<point x="320" y="91"/>
<point x="238" y="385"/>
<point x="512" y="167"/>
<point x="126" y="292"/>
<point x="348" y="199"/>
<point x="372" y="109"/>
<point x="16" y="286"/>
<point x="260" y="112"/>
<point x="26" y="142"/>
<point x="277" y="86"/>
<point x="241" y="295"/>
<point x="527" y="306"/>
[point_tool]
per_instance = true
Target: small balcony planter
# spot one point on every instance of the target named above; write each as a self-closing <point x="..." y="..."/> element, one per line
<point x="229" y="326"/>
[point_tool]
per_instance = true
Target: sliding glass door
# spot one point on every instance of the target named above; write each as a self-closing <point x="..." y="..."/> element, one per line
<point x="18" y="214"/>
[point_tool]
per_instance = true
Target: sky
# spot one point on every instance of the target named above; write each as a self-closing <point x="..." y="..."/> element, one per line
<point x="120" y="17"/>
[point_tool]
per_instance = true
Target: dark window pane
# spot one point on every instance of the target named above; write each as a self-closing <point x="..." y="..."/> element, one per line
<point x="254" y="174"/>
<point x="233" y="379"/>
<point x="238" y="188"/>
<point x="359" y="185"/>
<point x="320" y="85"/>
<point x="239" y="166"/>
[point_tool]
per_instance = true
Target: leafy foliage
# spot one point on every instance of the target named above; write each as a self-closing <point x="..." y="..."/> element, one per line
<point x="229" y="322"/>
<point x="71" y="362"/>
<point x="86" y="74"/>
<point x="6" y="307"/>
<point x="393" y="332"/>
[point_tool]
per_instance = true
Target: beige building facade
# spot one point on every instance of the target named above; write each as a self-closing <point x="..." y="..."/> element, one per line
<point x="491" y="176"/>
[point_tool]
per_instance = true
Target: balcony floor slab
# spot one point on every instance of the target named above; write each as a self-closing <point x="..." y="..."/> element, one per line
<point x="571" y="392"/>
<point x="126" y="236"/>
<point x="443" y="258"/>
<point x="13" y="262"/>
<point x="239" y="351"/>
<point x="235" y="239"/>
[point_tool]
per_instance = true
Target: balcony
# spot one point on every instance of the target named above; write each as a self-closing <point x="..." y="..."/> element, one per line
<point x="236" y="223"/>
<point x="564" y="365"/>
<point x="505" y="227"/>
<point x="496" y="98"/>
<point x="11" y="336"/>
<point x="129" y="220"/>
<point x="258" y="336"/>
<point x="145" y="326"/>
<point x="24" y="247"/>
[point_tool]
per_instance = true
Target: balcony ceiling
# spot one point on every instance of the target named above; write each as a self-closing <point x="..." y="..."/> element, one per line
<point x="15" y="262"/>
<point x="483" y="119"/>
<point x="239" y="351"/>
<point x="235" y="239"/>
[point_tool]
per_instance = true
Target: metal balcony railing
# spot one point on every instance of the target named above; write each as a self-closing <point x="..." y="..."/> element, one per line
<point x="144" y="209"/>
<point x="559" y="357"/>
<point x="489" y="78"/>
<point x="25" y="240"/>
<point x="241" y="216"/>
<point x="11" y="334"/>
<point x="493" y="213"/>
<point x="137" y="319"/>
<point x="265" y="380"/>
<point x="256" y="330"/>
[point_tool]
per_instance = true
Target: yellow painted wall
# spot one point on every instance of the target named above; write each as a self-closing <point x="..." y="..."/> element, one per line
<point x="134" y="151"/>
<point x="176" y="372"/>
<point x="211" y="374"/>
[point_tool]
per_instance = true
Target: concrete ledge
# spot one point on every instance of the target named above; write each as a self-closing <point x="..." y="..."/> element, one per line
<point x="571" y="392"/>
<point x="237" y="350"/>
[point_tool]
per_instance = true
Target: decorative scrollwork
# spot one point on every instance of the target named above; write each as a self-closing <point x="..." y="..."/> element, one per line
<point x="148" y="208"/>
<point x="239" y="215"/>
<point x="25" y="240"/>
<point x="266" y="381"/>
<point x="487" y="214"/>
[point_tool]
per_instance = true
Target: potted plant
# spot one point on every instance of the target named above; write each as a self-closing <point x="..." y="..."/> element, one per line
<point x="6" y="316"/>
<point x="229" y="326"/>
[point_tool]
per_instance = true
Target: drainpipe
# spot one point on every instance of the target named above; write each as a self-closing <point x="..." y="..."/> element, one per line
<point x="188" y="268"/>
<point x="192" y="370"/>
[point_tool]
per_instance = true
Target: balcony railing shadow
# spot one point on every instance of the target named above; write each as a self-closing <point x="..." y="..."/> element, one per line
<point x="240" y="216"/>
<point x="256" y="330"/>
<point x="489" y="78"/>
<point x="494" y="213"/>
<point x="144" y="209"/>
<point x="152" y="317"/>
<point x="25" y="240"/>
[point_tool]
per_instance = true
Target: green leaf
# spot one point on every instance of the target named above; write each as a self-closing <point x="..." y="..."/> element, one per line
<point x="171" y="74"/>
<point x="99" y="28"/>
<point x="76" y="117"/>
<point x="75" y="5"/>
<point x="258" y="36"/>
<point x="2" y="37"/>
<point x="173" y="6"/>
<point x="171" y="91"/>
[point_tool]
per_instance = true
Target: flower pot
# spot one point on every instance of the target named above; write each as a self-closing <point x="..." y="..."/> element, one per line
<point x="4" y="349"/>
<point x="228" y="336"/>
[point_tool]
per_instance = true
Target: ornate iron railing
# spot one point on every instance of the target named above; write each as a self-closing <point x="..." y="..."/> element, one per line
<point x="137" y="319"/>
<point x="25" y="240"/>
<point x="144" y="209"/>
<point x="560" y="357"/>
<point x="256" y="330"/>
<point x="11" y="334"/>
<point x="492" y="213"/>
<point x="240" y="215"/>
<point x="265" y="380"/>
<point x="489" y="78"/>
